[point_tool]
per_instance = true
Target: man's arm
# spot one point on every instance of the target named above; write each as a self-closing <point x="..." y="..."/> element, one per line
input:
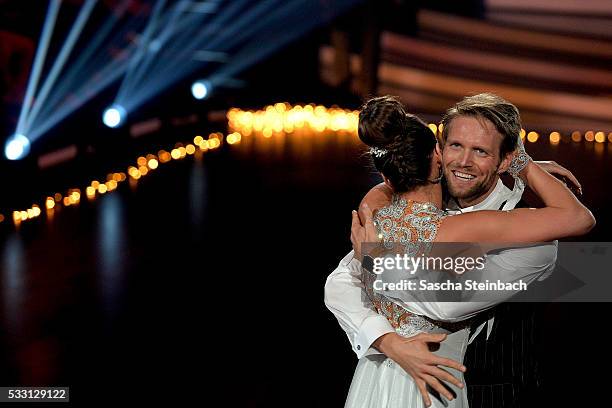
<point x="345" y="298"/>
<point x="527" y="264"/>
<point x="370" y="333"/>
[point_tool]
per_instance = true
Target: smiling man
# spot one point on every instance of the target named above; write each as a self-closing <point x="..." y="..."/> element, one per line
<point x="479" y="134"/>
<point x="477" y="142"/>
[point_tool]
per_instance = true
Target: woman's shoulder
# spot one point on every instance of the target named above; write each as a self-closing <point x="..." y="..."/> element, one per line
<point x="378" y="197"/>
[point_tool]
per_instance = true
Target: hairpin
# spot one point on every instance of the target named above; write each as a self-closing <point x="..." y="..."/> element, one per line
<point x="378" y="152"/>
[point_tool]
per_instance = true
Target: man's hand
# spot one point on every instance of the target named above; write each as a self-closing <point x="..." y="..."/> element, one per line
<point x="556" y="169"/>
<point x="362" y="232"/>
<point x="413" y="355"/>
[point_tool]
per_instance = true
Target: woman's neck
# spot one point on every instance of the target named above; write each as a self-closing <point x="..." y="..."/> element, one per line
<point x="429" y="193"/>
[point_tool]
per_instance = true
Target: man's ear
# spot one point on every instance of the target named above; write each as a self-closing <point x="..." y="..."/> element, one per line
<point x="505" y="163"/>
<point x="438" y="152"/>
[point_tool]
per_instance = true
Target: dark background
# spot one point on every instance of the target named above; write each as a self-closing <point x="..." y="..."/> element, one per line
<point x="205" y="280"/>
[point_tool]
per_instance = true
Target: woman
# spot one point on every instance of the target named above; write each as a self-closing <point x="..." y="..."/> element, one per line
<point x="409" y="158"/>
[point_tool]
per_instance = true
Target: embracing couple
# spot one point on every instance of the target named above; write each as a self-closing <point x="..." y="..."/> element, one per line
<point x="450" y="191"/>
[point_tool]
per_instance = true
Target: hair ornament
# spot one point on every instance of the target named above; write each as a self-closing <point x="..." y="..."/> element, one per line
<point x="378" y="152"/>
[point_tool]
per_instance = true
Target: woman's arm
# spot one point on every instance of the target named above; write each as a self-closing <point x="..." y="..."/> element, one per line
<point x="563" y="216"/>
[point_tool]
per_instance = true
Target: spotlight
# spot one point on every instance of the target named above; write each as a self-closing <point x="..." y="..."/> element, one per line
<point x="114" y="116"/>
<point x="17" y="147"/>
<point x="200" y="89"/>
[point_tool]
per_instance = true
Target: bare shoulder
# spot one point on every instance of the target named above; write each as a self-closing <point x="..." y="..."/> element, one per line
<point x="378" y="196"/>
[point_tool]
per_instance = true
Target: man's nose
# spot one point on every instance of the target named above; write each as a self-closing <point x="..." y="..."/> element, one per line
<point x="466" y="158"/>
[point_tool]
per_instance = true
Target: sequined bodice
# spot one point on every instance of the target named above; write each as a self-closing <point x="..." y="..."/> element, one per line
<point x="408" y="223"/>
<point x="412" y="226"/>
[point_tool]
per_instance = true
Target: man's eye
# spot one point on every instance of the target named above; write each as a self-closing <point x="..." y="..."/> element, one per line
<point x="480" y="151"/>
<point x="455" y="145"/>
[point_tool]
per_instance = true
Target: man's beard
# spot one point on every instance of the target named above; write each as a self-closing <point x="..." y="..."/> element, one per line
<point x="472" y="193"/>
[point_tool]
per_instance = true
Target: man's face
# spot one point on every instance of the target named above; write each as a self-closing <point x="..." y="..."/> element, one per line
<point x="471" y="159"/>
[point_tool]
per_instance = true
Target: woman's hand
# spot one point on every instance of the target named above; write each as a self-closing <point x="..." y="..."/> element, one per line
<point x="426" y="369"/>
<point x="552" y="167"/>
<point x="362" y="229"/>
<point x="556" y="169"/>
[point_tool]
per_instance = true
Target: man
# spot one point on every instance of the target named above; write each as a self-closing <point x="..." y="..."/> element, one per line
<point x="478" y="135"/>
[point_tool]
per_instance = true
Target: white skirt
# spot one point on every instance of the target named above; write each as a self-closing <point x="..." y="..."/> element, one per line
<point x="379" y="382"/>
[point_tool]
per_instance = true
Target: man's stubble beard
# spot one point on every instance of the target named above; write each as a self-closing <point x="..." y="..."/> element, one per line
<point x="472" y="194"/>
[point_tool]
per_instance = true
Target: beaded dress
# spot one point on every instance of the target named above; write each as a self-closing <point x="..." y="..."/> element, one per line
<point x="378" y="381"/>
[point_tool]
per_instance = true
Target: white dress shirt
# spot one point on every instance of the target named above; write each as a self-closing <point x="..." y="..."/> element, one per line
<point x="363" y="325"/>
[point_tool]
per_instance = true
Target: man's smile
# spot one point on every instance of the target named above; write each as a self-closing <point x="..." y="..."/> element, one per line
<point x="460" y="175"/>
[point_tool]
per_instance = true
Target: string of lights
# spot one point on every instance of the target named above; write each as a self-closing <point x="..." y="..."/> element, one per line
<point x="143" y="166"/>
<point x="278" y="119"/>
<point x="282" y="117"/>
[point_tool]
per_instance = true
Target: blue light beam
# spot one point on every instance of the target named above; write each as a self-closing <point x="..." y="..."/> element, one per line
<point x="69" y="79"/>
<point x="228" y="39"/>
<point x="142" y="48"/>
<point x="132" y="80"/>
<point x="207" y="35"/>
<point x="293" y="26"/>
<point x="96" y="84"/>
<point x="39" y="61"/>
<point x="161" y="77"/>
<point x="59" y="62"/>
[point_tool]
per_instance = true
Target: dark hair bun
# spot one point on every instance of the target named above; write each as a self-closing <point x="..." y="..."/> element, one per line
<point x="381" y="121"/>
<point x="402" y="144"/>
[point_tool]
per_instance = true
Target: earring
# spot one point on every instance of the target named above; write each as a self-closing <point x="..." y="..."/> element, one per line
<point x="439" y="178"/>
